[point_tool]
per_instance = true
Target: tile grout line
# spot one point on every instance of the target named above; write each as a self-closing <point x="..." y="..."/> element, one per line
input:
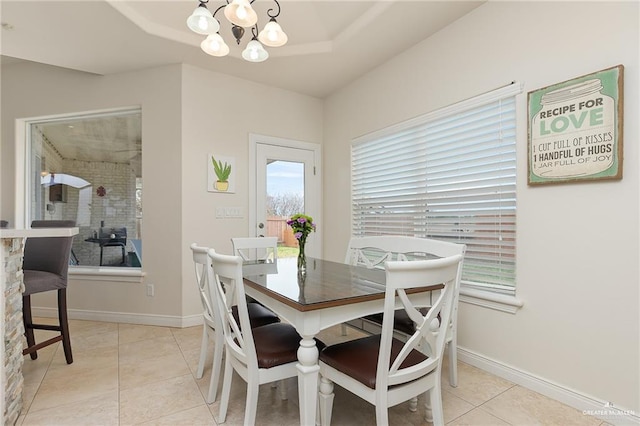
<point x="46" y="371"/>
<point x="193" y="373"/>
<point x="480" y="405"/>
<point x="494" y="397"/>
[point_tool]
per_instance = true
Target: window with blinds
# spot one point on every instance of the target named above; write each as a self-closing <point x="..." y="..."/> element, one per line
<point x="448" y="175"/>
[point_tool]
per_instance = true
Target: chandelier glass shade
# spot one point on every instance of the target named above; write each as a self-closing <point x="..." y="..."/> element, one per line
<point x="255" y="52"/>
<point x="214" y="45"/>
<point x="241" y="15"/>
<point x="272" y="34"/>
<point x="202" y="21"/>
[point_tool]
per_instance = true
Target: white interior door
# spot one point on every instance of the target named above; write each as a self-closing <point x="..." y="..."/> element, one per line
<point x="287" y="181"/>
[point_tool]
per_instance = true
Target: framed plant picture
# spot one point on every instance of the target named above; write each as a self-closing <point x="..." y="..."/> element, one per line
<point x="575" y="129"/>
<point x="221" y="174"/>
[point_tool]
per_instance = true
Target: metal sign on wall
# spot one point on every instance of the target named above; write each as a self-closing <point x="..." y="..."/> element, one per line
<point x="575" y="129"/>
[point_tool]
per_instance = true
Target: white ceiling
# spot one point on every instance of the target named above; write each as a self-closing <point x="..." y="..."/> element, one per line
<point x="115" y="138"/>
<point x="331" y="43"/>
<point x="112" y="138"/>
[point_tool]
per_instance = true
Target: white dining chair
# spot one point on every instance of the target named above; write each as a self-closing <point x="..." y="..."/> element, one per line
<point x="402" y="370"/>
<point x="373" y="251"/>
<point x="259" y="355"/>
<point x="212" y="323"/>
<point x="262" y="249"/>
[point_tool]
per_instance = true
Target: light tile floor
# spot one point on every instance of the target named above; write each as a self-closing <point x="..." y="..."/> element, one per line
<point x="126" y="374"/>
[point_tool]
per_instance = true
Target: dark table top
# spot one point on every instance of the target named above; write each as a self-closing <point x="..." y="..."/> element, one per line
<point x="324" y="284"/>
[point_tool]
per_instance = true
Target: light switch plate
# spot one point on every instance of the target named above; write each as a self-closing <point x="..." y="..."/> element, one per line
<point x="235" y="212"/>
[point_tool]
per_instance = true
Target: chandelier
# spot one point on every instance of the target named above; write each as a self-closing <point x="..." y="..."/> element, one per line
<point x="241" y="15"/>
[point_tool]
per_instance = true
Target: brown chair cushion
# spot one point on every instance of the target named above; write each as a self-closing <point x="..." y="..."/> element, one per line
<point x="359" y="358"/>
<point x="277" y="344"/>
<point x="401" y="320"/>
<point x="258" y="315"/>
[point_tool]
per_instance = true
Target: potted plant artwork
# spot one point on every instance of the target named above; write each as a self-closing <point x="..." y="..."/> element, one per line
<point x="222" y="171"/>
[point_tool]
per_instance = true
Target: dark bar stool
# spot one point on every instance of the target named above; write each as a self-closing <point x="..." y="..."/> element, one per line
<point x="45" y="268"/>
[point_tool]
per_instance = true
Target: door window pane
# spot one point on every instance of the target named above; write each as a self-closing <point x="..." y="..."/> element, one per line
<point x="285" y="197"/>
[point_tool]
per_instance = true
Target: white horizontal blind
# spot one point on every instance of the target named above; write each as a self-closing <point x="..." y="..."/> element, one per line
<point x="448" y="175"/>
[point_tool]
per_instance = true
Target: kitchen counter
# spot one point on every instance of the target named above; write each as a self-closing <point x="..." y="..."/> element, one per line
<point x="13" y="287"/>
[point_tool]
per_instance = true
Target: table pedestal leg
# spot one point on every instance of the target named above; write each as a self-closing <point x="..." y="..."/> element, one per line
<point x="308" y="380"/>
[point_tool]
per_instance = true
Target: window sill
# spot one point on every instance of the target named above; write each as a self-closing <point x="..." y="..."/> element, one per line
<point x="114" y="274"/>
<point x="498" y="302"/>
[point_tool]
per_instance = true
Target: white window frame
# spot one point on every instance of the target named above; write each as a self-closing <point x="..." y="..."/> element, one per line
<point x="22" y="187"/>
<point x="415" y="190"/>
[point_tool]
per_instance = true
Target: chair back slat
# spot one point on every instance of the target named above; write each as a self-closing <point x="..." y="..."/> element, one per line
<point x="200" y="262"/>
<point x="375" y="250"/>
<point x="367" y="251"/>
<point x="226" y="275"/>
<point x="369" y="257"/>
<point x="429" y="336"/>
<point x="262" y="249"/>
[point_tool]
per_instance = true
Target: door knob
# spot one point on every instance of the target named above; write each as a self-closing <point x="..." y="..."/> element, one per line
<point x="261" y="225"/>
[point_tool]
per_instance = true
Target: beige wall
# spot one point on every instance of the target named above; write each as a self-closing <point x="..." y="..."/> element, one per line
<point x="219" y="112"/>
<point x="31" y="90"/>
<point x="578" y="243"/>
<point x="186" y="113"/>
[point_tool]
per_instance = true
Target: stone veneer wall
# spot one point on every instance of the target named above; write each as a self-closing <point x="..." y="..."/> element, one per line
<point x="12" y="380"/>
<point x="117" y="208"/>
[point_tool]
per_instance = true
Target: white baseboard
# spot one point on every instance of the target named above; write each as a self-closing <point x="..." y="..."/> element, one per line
<point x="588" y="405"/>
<point x="123" y="317"/>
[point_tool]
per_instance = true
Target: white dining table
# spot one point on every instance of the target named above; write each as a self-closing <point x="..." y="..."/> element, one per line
<point x="326" y="294"/>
